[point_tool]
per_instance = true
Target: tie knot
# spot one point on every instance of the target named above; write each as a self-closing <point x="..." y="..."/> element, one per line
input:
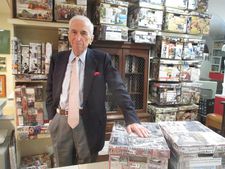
<point x="75" y="59"/>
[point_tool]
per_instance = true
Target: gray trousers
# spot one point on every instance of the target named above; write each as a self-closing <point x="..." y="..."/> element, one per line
<point x="70" y="145"/>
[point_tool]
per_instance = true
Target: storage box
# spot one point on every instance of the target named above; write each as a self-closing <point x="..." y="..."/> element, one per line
<point x="29" y="105"/>
<point x="39" y="161"/>
<point x="165" y="93"/>
<point x="112" y="33"/>
<point x="35" y="9"/>
<point x="181" y="4"/>
<point x="145" y="18"/>
<point x="111" y="14"/>
<point x="143" y="37"/>
<point x="154" y="4"/>
<point x="202" y="6"/>
<point x="32" y="132"/>
<point x="190" y="93"/>
<point x="198" y="25"/>
<point x="192" y="4"/>
<point x="175" y="22"/>
<point x="130" y="151"/>
<point x="169" y="47"/>
<point x="65" y="11"/>
<point x="113" y="2"/>
<point x="189" y="72"/>
<point x="188" y="112"/>
<point x="162" y="113"/>
<point x="165" y="70"/>
<point x="193" y="145"/>
<point x="193" y="49"/>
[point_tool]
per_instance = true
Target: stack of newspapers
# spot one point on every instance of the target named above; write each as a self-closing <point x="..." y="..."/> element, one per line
<point x="193" y="145"/>
<point x="132" y="152"/>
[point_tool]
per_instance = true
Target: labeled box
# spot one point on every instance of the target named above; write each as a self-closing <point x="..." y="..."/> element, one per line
<point x="35" y="10"/>
<point x="145" y="18"/>
<point x="165" y="93"/>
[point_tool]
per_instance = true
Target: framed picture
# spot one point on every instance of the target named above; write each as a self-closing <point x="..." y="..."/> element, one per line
<point x="2" y="86"/>
<point x="5" y="42"/>
<point x="2" y="64"/>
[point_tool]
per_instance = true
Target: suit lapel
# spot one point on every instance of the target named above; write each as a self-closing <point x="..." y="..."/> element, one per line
<point x="90" y="67"/>
<point x="63" y="61"/>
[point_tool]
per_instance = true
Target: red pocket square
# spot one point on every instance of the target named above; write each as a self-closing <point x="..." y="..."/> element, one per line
<point x="97" y="73"/>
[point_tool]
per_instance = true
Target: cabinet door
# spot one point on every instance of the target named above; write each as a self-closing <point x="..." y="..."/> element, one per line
<point x="116" y="54"/>
<point x="135" y="68"/>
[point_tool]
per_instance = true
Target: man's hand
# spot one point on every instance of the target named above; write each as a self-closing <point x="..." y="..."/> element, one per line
<point x="138" y="129"/>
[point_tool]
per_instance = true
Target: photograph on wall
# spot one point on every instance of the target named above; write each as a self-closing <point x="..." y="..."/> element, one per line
<point x="4" y="41"/>
<point x="2" y="86"/>
<point x="2" y="64"/>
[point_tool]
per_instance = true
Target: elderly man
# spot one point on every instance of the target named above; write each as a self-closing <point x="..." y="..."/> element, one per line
<point x="76" y="92"/>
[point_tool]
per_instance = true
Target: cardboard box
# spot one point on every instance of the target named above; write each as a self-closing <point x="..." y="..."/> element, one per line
<point x="175" y="22"/>
<point x="130" y="151"/>
<point x="35" y="10"/>
<point x="188" y="112"/>
<point x="143" y="37"/>
<point x="112" y="33"/>
<point x="64" y="12"/>
<point x="180" y="4"/>
<point x="199" y="25"/>
<point x="163" y="113"/>
<point x="110" y="14"/>
<point x="165" y="70"/>
<point x="193" y="145"/>
<point x="165" y="93"/>
<point x="153" y="4"/>
<point x="190" y="93"/>
<point x="146" y="18"/>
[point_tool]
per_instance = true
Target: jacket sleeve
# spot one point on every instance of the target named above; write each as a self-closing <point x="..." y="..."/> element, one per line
<point x="120" y="94"/>
<point x="49" y="91"/>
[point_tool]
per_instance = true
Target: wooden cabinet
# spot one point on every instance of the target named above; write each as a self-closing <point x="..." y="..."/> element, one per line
<point x="132" y="62"/>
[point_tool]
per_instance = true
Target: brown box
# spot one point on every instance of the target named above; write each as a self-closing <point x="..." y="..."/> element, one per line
<point x="35" y="9"/>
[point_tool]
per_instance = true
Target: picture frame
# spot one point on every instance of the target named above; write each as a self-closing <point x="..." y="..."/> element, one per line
<point x="5" y="42"/>
<point x="2" y="64"/>
<point x="2" y="86"/>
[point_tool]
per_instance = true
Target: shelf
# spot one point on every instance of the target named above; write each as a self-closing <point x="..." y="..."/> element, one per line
<point x="6" y="117"/>
<point x="32" y="132"/>
<point x="30" y="81"/>
<point x="22" y="22"/>
<point x="180" y="35"/>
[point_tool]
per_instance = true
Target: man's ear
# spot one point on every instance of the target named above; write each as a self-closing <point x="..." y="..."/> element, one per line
<point x="91" y="39"/>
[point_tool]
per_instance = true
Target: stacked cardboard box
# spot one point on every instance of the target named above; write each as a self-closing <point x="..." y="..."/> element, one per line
<point x="162" y="113"/>
<point x="193" y="145"/>
<point x="130" y="151"/>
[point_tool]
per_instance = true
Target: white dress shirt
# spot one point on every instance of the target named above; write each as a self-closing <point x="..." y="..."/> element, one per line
<point x="63" y="103"/>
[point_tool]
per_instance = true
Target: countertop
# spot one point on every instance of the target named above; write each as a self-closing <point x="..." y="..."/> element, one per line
<point x="98" y="165"/>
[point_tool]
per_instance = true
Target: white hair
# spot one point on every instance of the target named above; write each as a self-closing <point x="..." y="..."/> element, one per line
<point x="85" y="19"/>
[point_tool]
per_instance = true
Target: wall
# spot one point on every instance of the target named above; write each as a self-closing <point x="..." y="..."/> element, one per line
<point x="9" y="77"/>
<point x="217" y="32"/>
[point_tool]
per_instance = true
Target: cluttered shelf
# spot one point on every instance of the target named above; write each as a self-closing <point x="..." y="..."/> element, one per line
<point x="24" y="22"/>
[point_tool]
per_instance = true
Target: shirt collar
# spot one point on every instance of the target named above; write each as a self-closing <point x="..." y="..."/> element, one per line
<point x="82" y="56"/>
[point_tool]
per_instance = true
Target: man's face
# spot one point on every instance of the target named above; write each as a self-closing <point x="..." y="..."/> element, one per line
<point x="79" y="36"/>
